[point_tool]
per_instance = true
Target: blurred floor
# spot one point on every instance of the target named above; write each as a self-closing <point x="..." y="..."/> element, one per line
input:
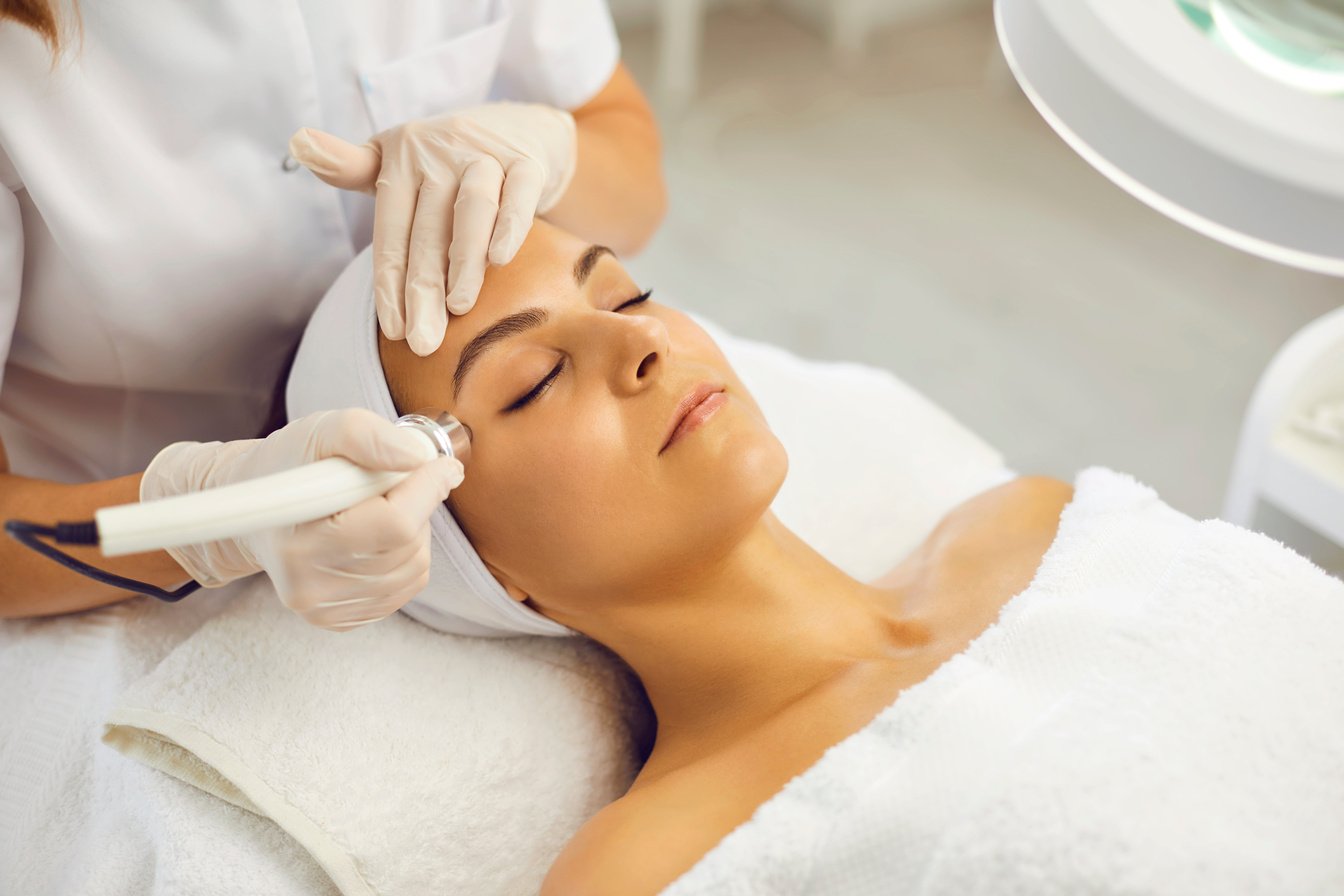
<point x="915" y="213"/>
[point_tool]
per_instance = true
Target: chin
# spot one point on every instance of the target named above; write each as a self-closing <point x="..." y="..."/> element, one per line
<point x="747" y="469"/>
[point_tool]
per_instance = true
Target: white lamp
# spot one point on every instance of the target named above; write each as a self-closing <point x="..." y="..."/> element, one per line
<point x="1145" y="96"/>
<point x="1225" y="115"/>
<point x="1298" y="42"/>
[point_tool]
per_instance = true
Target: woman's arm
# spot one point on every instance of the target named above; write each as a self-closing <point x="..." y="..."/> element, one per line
<point x="617" y="196"/>
<point x="34" y="585"/>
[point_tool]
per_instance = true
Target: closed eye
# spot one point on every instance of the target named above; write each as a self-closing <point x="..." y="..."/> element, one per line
<point x="642" y="297"/>
<point x="546" y="381"/>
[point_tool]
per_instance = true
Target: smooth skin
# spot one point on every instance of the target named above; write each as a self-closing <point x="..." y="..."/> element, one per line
<point x="33" y="585"/>
<point x="756" y="652"/>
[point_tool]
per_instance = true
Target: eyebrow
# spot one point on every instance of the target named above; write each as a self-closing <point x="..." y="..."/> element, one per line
<point x="520" y="321"/>
<point x="584" y="266"/>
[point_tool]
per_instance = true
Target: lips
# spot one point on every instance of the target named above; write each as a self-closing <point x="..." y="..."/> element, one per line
<point x="685" y="406"/>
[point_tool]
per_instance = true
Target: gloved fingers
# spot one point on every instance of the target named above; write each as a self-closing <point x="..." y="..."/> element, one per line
<point x="393" y="214"/>
<point x="384" y="608"/>
<point x="373" y="442"/>
<point x="427" y="265"/>
<point x="339" y="584"/>
<point x="372" y="527"/>
<point x="522" y="190"/>
<point x="393" y="593"/>
<point x="474" y="219"/>
<point x="420" y="494"/>
<point x="332" y="600"/>
<point x="358" y="623"/>
<point x="377" y="614"/>
<point x="386" y="522"/>
<point x="336" y="161"/>
<point x="364" y="568"/>
<point x="372" y="613"/>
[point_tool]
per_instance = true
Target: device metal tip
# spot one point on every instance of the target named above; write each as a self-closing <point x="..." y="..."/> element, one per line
<point x="451" y="435"/>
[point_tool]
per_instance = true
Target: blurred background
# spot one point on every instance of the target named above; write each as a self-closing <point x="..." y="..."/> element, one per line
<point x="902" y="204"/>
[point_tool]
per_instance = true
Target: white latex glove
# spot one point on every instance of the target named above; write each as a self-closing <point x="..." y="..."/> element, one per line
<point x="452" y="193"/>
<point x="348" y="569"/>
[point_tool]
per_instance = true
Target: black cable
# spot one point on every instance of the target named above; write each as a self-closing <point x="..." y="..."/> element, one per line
<point x="86" y="534"/>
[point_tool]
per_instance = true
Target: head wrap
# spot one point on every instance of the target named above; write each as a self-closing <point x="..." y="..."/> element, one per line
<point x="337" y="366"/>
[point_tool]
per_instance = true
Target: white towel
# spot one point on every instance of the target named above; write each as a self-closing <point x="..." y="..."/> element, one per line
<point x="76" y="817"/>
<point x="403" y="759"/>
<point x="1160" y="711"/>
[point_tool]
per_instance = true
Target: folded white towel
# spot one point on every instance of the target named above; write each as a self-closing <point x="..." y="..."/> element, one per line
<point x="1158" y="712"/>
<point x="76" y="817"/>
<point x="403" y="759"/>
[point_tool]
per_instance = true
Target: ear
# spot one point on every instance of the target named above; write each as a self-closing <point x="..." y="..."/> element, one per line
<point x="513" y="590"/>
<point x="518" y="594"/>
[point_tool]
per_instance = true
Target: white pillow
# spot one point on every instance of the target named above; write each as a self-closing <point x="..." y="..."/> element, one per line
<point x="406" y="760"/>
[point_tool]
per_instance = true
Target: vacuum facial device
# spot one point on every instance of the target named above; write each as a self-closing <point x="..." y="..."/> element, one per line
<point x="309" y="492"/>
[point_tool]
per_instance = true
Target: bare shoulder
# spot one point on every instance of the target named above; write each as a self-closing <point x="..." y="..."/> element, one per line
<point x="641" y="842"/>
<point x="1044" y="492"/>
<point x="1015" y="520"/>
<point x="590" y="861"/>
<point x="993" y="544"/>
<point x="1027" y="501"/>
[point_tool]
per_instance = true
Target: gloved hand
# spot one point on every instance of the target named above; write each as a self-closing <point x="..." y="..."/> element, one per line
<point x="351" y="568"/>
<point x="452" y="192"/>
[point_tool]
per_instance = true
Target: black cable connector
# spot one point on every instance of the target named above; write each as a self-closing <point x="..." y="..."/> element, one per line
<point x="86" y="533"/>
<point x="77" y="533"/>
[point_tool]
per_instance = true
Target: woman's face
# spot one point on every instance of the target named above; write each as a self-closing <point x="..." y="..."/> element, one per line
<point x="568" y="497"/>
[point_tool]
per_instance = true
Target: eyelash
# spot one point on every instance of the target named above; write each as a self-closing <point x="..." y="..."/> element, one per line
<point x="545" y="384"/>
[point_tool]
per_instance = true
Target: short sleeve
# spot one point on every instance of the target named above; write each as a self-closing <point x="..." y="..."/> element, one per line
<point x="11" y="259"/>
<point x="558" y="52"/>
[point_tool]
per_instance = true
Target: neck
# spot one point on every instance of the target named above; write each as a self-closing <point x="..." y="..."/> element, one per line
<point x="754" y="632"/>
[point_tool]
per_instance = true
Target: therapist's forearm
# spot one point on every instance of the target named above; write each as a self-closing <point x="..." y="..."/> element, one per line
<point x="617" y="196"/>
<point x="35" y="585"/>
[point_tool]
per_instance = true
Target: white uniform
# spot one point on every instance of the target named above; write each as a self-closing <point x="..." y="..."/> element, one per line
<point x="159" y="250"/>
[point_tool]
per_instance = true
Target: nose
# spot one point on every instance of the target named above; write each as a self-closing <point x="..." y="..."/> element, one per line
<point x="643" y="345"/>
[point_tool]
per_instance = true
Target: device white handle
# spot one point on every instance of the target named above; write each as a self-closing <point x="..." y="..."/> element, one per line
<point x="309" y="492"/>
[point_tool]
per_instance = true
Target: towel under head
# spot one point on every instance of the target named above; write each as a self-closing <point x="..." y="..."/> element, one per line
<point x="338" y="366"/>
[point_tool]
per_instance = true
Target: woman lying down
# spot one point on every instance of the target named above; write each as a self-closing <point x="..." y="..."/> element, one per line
<point x="1118" y="699"/>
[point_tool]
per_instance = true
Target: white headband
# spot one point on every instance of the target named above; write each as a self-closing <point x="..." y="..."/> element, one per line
<point x="337" y="366"/>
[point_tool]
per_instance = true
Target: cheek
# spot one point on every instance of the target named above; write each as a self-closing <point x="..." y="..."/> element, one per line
<point x="549" y="505"/>
<point x="686" y="334"/>
<point x="732" y="471"/>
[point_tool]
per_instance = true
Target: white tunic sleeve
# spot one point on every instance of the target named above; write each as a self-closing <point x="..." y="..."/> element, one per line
<point x="11" y="259"/>
<point x="559" y="52"/>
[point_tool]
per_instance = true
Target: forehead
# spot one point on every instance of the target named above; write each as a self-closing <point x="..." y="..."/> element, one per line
<point x="541" y="274"/>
